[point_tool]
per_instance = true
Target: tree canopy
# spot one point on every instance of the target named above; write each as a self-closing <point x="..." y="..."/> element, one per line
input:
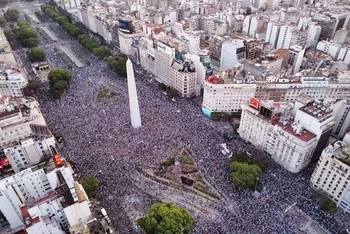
<point x="11" y="15"/>
<point x="33" y="85"/>
<point x="328" y="205"/>
<point x="26" y="35"/>
<point x="90" y="185"/>
<point x="101" y="52"/>
<point x="36" y="54"/>
<point x="118" y="65"/>
<point x="166" y="218"/>
<point x="59" y="80"/>
<point x="244" y="175"/>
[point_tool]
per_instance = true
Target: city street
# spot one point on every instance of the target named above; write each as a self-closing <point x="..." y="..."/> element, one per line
<point x="99" y="141"/>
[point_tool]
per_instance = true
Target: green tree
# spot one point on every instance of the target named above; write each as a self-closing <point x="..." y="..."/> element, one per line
<point x="118" y="65"/>
<point x="244" y="175"/>
<point x="90" y="185"/>
<point x="36" y="54"/>
<point x="25" y="35"/>
<point x="166" y="218"/>
<point x="30" y="42"/>
<point x="59" y="80"/>
<point x="61" y="20"/>
<point x="11" y="15"/>
<point x="33" y="85"/>
<point x="101" y="52"/>
<point x="328" y="205"/>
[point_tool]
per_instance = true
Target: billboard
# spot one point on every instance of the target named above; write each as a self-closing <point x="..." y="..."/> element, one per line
<point x="165" y="48"/>
<point x="254" y="103"/>
<point x="265" y="112"/>
<point x="126" y="26"/>
<point x="178" y="56"/>
<point x="135" y="42"/>
<point x="150" y="51"/>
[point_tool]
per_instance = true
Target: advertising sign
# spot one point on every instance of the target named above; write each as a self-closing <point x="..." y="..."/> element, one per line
<point x="125" y="26"/>
<point x="135" y="42"/>
<point x="165" y="48"/>
<point x="254" y="103"/>
<point x="178" y="56"/>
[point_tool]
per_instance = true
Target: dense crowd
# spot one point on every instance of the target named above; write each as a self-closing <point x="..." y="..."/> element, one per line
<point x="99" y="140"/>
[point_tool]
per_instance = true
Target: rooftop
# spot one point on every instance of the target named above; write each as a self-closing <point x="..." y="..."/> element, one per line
<point x="213" y="80"/>
<point x="317" y="110"/>
<point x="303" y="135"/>
<point x="312" y="53"/>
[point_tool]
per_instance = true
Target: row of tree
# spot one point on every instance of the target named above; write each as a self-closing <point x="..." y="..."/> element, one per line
<point x="75" y="31"/>
<point x="118" y="65"/>
<point x="23" y="34"/>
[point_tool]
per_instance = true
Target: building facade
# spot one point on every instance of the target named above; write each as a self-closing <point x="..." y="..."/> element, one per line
<point x="332" y="174"/>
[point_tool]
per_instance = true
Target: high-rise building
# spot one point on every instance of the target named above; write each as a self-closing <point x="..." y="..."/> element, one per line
<point x="332" y="174"/>
<point x="226" y="52"/>
<point x="183" y="78"/>
<point x="284" y="37"/>
<point x="164" y="56"/>
<point x="272" y="33"/>
<point x="315" y="116"/>
<point x="313" y="36"/>
<point x="342" y="118"/>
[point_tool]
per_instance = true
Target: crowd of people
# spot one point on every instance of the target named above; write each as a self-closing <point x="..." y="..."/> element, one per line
<point x="99" y="140"/>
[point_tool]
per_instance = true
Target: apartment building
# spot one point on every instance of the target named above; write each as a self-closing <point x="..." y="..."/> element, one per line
<point x="226" y="52"/>
<point x="42" y="199"/>
<point x="292" y="135"/>
<point x="12" y="81"/>
<point x="332" y="174"/>
<point x="183" y="78"/>
<point x="342" y="118"/>
<point x="226" y="93"/>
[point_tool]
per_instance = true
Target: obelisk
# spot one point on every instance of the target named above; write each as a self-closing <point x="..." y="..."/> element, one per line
<point x="133" y="101"/>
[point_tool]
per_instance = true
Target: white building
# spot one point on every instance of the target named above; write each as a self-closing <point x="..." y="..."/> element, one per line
<point x="272" y="33"/>
<point x="332" y="174"/>
<point x="226" y="95"/>
<point x="164" y="56"/>
<point x="125" y="42"/>
<point x="12" y="81"/>
<point x="314" y="32"/>
<point x="296" y="55"/>
<point x="226" y="52"/>
<point x="291" y="135"/>
<point x="285" y="37"/>
<point x="193" y="41"/>
<point x="290" y="145"/>
<point x="337" y="52"/>
<point x="43" y="200"/>
<point x="315" y="116"/>
<point x="183" y="78"/>
<point x="341" y="111"/>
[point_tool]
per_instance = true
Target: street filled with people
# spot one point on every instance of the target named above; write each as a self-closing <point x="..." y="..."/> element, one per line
<point x="99" y="141"/>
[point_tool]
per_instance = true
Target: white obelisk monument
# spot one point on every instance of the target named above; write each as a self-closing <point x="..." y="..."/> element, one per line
<point x="133" y="101"/>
